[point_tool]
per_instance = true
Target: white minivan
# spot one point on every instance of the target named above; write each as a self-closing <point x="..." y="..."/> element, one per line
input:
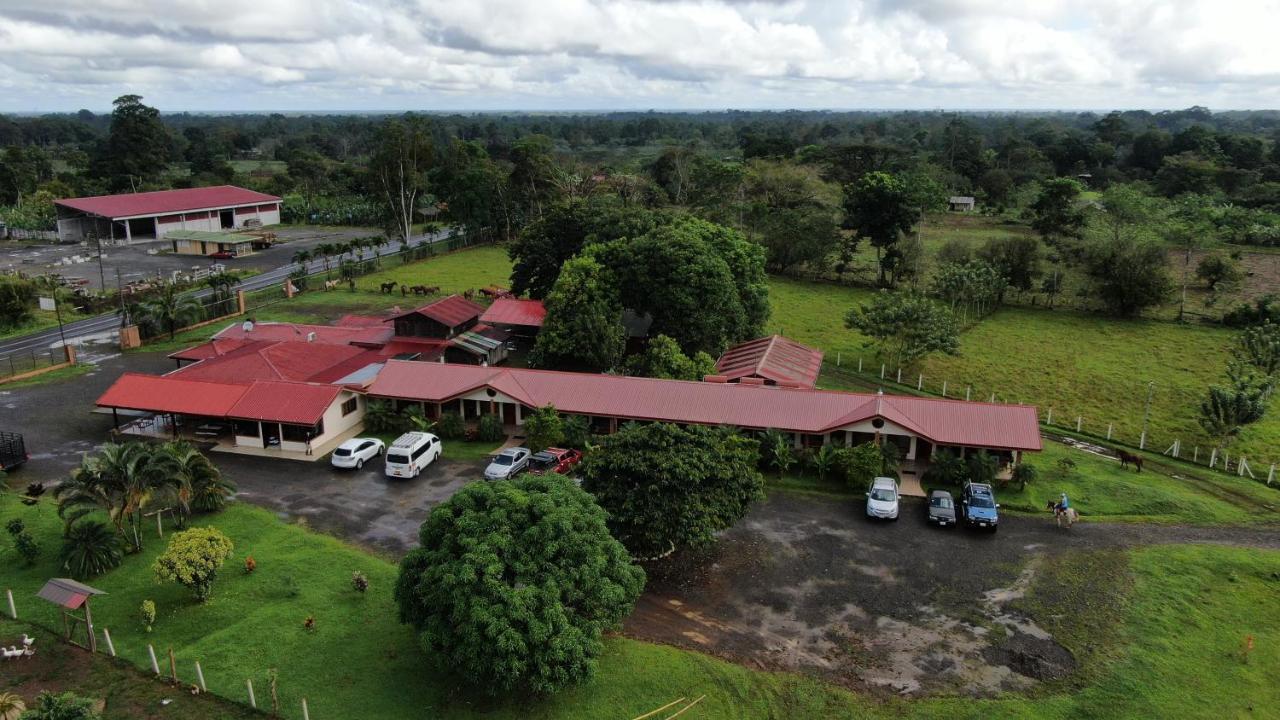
<point x="410" y="453"/>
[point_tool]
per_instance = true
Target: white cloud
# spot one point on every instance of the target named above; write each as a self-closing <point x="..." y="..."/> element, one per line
<point x="425" y="54"/>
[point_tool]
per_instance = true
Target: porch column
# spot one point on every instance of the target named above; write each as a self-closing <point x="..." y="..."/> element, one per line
<point x="1017" y="457"/>
<point x="911" y="449"/>
<point x="128" y="232"/>
<point x="798" y="441"/>
<point x="848" y="438"/>
<point x="462" y="409"/>
<point x="826" y="438"/>
<point x="519" y="414"/>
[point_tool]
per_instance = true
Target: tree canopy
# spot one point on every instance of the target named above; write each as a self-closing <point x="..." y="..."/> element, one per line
<point x="583" y="326"/>
<point x="515" y="583"/>
<point x="906" y="326"/>
<point x="665" y="486"/>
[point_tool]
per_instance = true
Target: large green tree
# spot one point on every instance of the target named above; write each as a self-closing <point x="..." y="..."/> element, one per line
<point x="1128" y="274"/>
<point x="402" y="157"/>
<point x="563" y="231"/>
<point x="905" y="326"/>
<point x="1056" y="212"/>
<point x="515" y="584"/>
<point x="137" y="147"/>
<point x="665" y="486"/>
<point x="880" y="208"/>
<point x="663" y="359"/>
<point x="583" y="327"/>
<point x="791" y="211"/>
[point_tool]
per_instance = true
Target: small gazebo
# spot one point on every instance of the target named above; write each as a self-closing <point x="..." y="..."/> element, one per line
<point x="70" y="596"/>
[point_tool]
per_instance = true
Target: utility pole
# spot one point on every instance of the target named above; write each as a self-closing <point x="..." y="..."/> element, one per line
<point x="57" y="310"/>
<point x="102" y="274"/>
<point x="124" y="315"/>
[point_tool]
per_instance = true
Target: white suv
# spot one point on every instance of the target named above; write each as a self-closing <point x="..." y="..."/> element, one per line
<point x="411" y="453"/>
<point x="355" y="452"/>
<point x="882" y="499"/>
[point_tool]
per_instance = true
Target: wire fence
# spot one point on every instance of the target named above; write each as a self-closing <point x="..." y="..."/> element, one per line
<point x="27" y="361"/>
<point x="872" y="373"/>
<point x="163" y="665"/>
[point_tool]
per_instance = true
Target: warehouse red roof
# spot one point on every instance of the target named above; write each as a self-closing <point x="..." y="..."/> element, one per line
<point x="514" y="311"/>
<point x="946" y="422"/>
<point x="774" y="358"/>
<point x="451" y="311"/>
<point x="286" y="402"/>
<point x="166" y="394"/>
<point x="162" y="202"/>
<point x="264" y="360"/>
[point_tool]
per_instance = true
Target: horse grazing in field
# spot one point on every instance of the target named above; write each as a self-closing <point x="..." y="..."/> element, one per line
<point x="1126" y="458"/>
<point x="331" y="284"/>
<point x="431" y="290"/>
<point x="388" y="287"/>
<point x="420" y="290"/>
<point x="469" y="294"/>
<point x="1069" y="515"/>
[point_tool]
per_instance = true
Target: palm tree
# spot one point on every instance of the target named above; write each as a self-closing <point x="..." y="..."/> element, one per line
<point x="11" y="706"/>
<point x="198" y="483"/>
<point x="91" y="548"/>
<point x="122" y="479"/>
<point x="302" y="257"/>
<point x="169" y="309"/>
<point x="221" y="285"/>
<point x="324" y="251"/>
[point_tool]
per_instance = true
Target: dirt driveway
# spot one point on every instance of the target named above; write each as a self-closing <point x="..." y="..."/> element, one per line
<point x="809" y="584"/>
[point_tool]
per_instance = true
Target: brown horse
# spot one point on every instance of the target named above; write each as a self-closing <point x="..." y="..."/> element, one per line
<point x="1126" y="458"/>
<point x="388" y="287"/>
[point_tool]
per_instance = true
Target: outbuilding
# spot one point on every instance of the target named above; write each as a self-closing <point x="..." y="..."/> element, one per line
<point x="149" y="216"/>
<point x="961" y="203"/>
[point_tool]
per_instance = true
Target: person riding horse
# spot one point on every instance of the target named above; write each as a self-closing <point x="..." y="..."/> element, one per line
<point x="1062" y="505"/>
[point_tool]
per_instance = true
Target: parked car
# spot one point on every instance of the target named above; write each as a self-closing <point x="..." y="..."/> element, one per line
<point x="411" y="453"/>
<point x="978" y="504"/>
<point x="942" y="508"/>
<point x="223" y="255"/>
<point x="507" y="464"/>
<point x="882" y="499"/>
<point x="356" y="451"/>
<point x="554" y="460"/>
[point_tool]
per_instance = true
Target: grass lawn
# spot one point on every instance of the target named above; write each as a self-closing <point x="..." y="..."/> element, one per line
<point x="1182" y="630"/>
<point x="52" y="376"/>
<point x="42" y="320"/>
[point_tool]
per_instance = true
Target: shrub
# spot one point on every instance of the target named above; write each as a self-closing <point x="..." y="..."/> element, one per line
<point x="61" y="706"/>
<point x="23" y="541"/>
<point x="577" y="432"/>
<point x="543" y="428"/>
<point x="192" y="559"/>
<point x="148" y="614"/>
<point x="509" y="614"/>
<point x="489" y="429"/>
<point x="1023" y="474"/>
<point x="91" y="548"/>
<point x="359" y="581"/>
<point x="980" y="467"/>
<point x="946" y="468"/>
<point x="379" y="417"/>
<point x="451" y="426"/>
<point x="859" y="465"/>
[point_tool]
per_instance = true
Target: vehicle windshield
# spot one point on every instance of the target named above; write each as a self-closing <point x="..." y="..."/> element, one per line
<point x="397" y="458"/>
<point x="502" y="460"/>
<point x="940" y="501"/>
<point x="883" y="494"/>
<point x="342" y="452"/>
<point x="542" y="460"/>
<point x="982" y="501"/>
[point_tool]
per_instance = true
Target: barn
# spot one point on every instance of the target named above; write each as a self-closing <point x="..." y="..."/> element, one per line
<point x="149" y="216"/>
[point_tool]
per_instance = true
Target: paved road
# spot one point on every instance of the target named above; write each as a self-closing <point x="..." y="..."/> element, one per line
<point x="107" y="324"/>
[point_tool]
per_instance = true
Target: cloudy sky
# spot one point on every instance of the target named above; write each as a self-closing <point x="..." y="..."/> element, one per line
<point x="639" y="54"/>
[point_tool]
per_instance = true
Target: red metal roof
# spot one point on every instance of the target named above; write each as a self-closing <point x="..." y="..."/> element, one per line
<point x="286" y="402"/>
<point x="514" y="311"/>
<point x="297" y="361"/>
<point x="353" y="320"/>
<point x="451" y="311"/>
<point x="167" y="394"/>
<point x="946" y="422"/>
<point x="162" y="202"/>
<point x="784" y="361"/>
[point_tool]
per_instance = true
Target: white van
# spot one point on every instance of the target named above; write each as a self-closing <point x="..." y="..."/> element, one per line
<point x="410" y="453"/>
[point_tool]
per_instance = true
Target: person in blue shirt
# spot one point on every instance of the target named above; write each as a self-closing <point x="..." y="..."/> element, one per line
<point x="1063" y="504"/>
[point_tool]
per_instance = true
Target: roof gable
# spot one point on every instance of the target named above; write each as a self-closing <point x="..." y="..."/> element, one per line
<point x="451" y="311"/>
<point x="776" y="358"/>
<point x="515" y="311"/>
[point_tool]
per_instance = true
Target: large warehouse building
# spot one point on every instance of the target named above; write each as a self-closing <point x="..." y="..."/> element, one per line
<point x="148" y="216"/>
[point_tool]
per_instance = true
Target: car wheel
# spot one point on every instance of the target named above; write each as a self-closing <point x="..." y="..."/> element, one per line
<point x="360" y="464"/>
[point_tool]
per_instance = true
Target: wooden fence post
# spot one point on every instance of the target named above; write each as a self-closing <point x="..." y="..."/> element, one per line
<point x="1109" y="431"/>
<point x="837" y="359"/>
<point x="1213" y="457"/>
<point x="200" y="677"/>
<point x="173" y="666"/>
<point x="1079" y="420"/>
<point x="13" y="609"/>
<point x="155" y="666"/>
<point x="111" y="647"/>
<point x="944" y="388"/>
<point x="967" y="389"/>
<point x="305" y="715"/>
<point x="1271" y="474"/>
<point x="881" y="371"/>
<point x="859" y="364"/>
<point x="993" y="398"/>
<point x="1195" y="453"/>
<point x="1049" y="420"/>
<point x="920" y="382"/>
<point x="253" y="702"/>
<point x="899" y="376"/>
<point x="1142" y="440"/>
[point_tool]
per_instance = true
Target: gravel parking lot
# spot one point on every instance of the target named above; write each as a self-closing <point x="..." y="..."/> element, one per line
<point x="135" y="263"/>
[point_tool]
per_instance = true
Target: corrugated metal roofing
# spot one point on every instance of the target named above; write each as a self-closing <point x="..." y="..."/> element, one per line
<point x="947" y="422"/>
<point x="514" y="311"/>
<point x="168" y="394"/>
<point x="451" y="311"/>
<point x="776" y="358"/>
<point x="286" y="402"/>
<point x="297" y="361"/>
<point x="67" y="593"/>
<point x="162" y="202"/>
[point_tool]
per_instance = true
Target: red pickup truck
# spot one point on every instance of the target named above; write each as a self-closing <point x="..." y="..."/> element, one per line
<point x="554" y="460"/>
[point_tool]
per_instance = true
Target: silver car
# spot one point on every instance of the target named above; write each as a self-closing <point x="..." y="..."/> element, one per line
<point x="507" y="464"/>
<point x="882" y="499"/>
<point x="356" y="451"/>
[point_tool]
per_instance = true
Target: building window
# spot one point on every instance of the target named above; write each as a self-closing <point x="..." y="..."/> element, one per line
<point x="350" y="406"/>
<point x="246" y="428"/>
<point x="301" y="433"/>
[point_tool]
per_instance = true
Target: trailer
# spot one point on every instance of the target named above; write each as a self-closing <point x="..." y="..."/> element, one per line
<point x="13" y="450"/>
